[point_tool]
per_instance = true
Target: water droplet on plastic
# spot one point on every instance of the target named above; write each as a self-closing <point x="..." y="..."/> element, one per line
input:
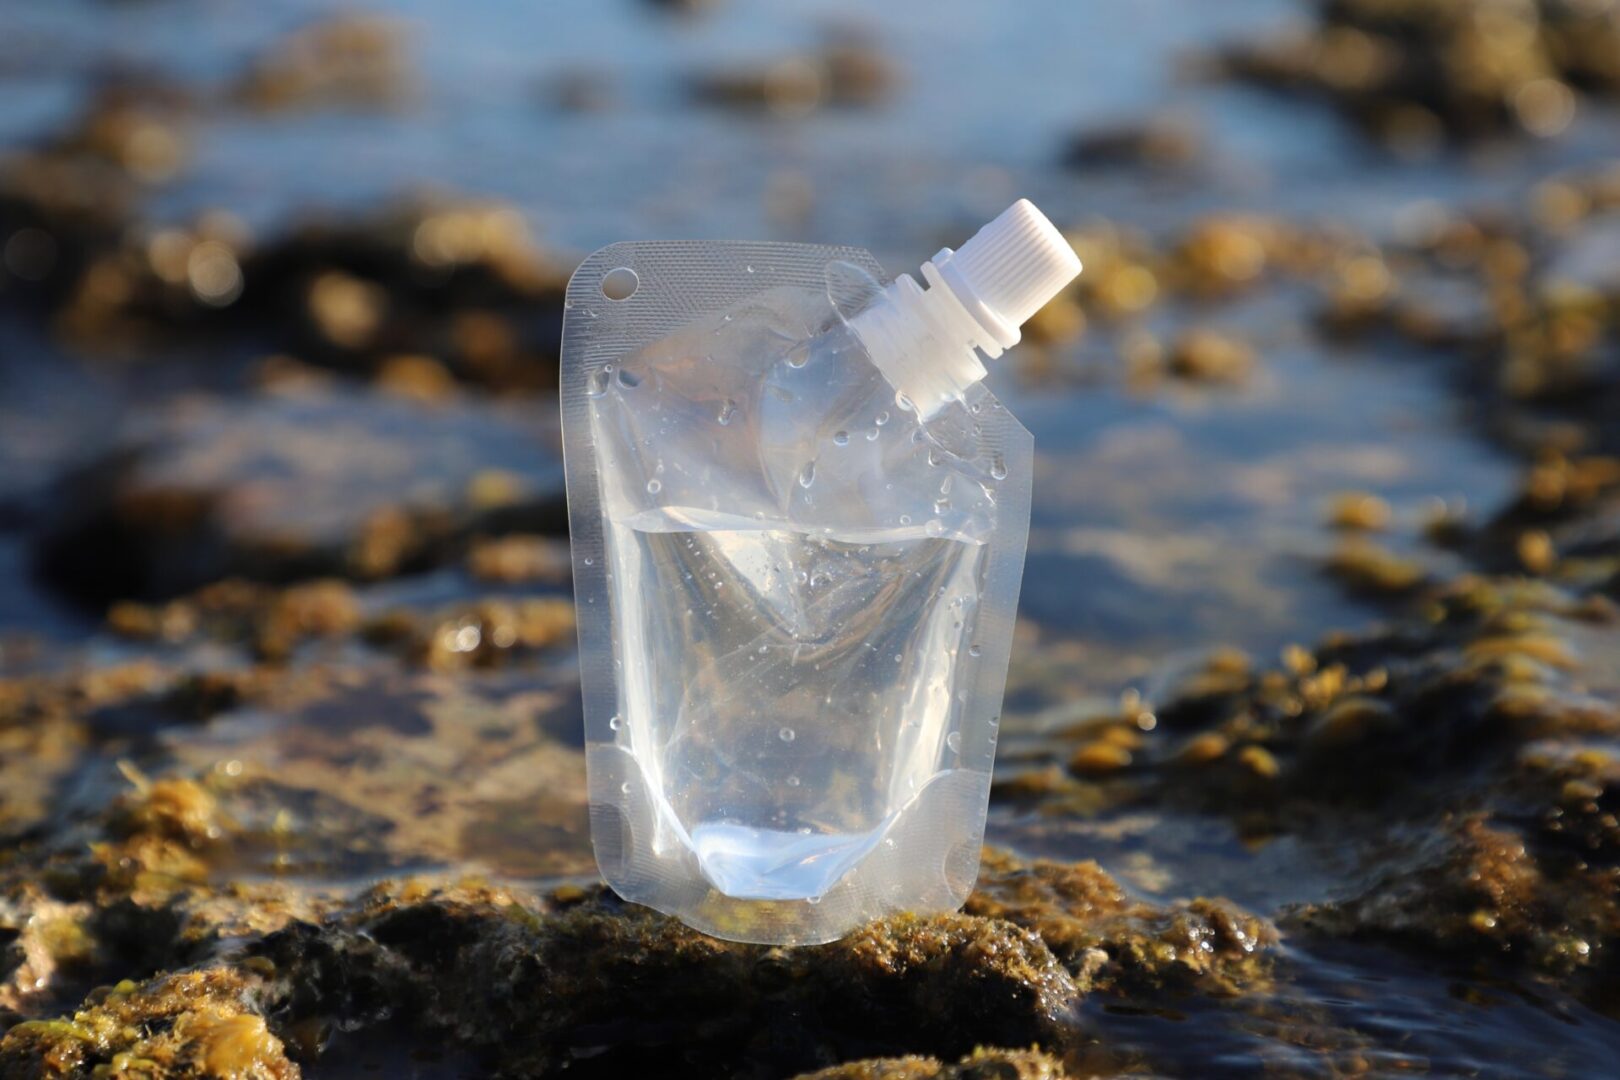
<point x="793" y="781"/>
<point x="807" y="475"/>
<point x="628" y="378"/>
<point x="798" y="355"/>
<point x="654" y="487"/>
<point x="935" y="527"/>
<point x="871" y="436"/>
<point x="881" y="418"/>
<point x="903" y="403"/>
<point x="596" y="385"/>
<point x="974" y="649"/>
<point x="954" y="741"/>
<point x="905" y="519"/>
<point x="841" y="438"/>
<point x="616" y="723"/>
<point x="786" y="734"/>
<point x="998" y="467"/>
<point x="811" y="900"/>
<point x="625" y="787"/>
<point x="750" y="269"/>
<point x="589" y="561"/>
<point x="727" y="411"/>
<point x="941" y="505"/>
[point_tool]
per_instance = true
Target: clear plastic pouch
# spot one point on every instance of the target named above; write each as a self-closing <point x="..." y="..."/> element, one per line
<point x="795" y="587"/>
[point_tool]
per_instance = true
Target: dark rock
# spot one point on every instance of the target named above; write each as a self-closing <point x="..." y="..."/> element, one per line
<point x="1159" y="143"/>
<point x="281" y="488"/>
<point x="1412" y="72"/>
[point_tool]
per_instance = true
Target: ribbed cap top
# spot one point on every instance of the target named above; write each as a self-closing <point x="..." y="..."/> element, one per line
<point x="1015" y="264"/>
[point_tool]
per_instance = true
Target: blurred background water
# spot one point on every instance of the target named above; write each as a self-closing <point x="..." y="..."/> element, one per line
<point x="1171" y="518"/>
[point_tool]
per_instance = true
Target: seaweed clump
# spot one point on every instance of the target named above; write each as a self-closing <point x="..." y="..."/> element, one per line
<point x="1417" y="71"/>
<point x="1119" y="945"/>
<point x="591" y="983"/>
<point x="980" y="1065"/>
<point x="191" y="1024"/>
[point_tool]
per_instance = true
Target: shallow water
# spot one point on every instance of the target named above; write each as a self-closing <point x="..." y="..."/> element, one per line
<point x="1166" y="521"/>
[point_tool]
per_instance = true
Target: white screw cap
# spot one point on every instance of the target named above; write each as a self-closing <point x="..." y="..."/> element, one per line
<point x="1009" y="269"/>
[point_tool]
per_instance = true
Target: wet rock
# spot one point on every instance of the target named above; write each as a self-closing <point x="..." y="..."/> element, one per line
<point x="1366" y="567"/>
<point x="848" y="70"/>
<point x="1099" y="758"/>
<point x="1487" y="669"/>
<point x="580" y="90"/>
<point x="980" y="1065"/>
<point x="1159" y="143"/>
<point x="280" y="488"/>
<point x="685" y="7"/>
<point x="1121" y="277"/>
<point x="607" y="987"/>
<point x="193" y="1024"/>
<point x="461" y="282"/>
<point x="354" y="61"/>
<point x="1207" y="356"/>
<point x="1474" y="888"/>
<point x="158" y="284"/>
<point x="1225" y="254"/>
<point x="1116" y="944"/>
<point x="56" y="212"/>
<point x="1358" y="511"/>
<point x="481" y="636"/>
<point x="45" y="729"/>
<point x="1419" y="71"/>
<point x="419" y="286"/>
<point x="519" y="559"/>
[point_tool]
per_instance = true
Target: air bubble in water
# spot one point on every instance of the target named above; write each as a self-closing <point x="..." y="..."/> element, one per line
<point x="807" y="475"/>
<point x="954" y="741"/>
<point x="841" y="438"/>
<point x="654" y="487"/>
<point x="798" y="355"/>
<point x="786" y="734"/>
<point x="998" y="467"/>
<point x="881" y="418"/>
<point x="616" y="723"/>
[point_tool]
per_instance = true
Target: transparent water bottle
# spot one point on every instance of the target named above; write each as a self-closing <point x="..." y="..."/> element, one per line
<point x="799" y="523"/>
